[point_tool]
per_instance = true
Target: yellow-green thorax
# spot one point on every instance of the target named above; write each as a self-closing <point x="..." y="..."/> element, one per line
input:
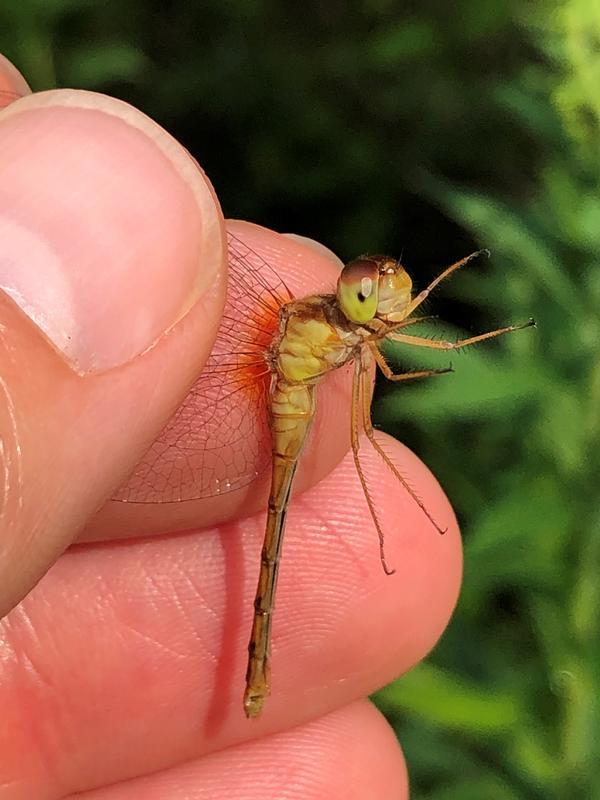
<point x="314" y="338"/>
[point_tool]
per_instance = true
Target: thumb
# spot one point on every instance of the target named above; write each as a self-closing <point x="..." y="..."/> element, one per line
<point x="112" y="271"/>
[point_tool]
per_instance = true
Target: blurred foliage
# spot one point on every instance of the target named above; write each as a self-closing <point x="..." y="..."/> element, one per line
<point x="434" y="127"/>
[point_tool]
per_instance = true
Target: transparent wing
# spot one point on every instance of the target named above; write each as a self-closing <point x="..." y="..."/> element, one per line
<point x="219" y="438"/>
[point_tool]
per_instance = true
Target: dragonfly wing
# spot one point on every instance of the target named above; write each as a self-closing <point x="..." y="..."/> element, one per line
<point x="219" y="438"/>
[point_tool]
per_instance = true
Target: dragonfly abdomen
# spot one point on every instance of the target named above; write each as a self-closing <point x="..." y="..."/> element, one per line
<point x="292" y="411"/>
<point x="309" y="346"/>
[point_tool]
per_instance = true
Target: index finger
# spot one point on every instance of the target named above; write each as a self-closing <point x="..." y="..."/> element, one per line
<point x="211" y="463"/>
<point x="169" y="617"/>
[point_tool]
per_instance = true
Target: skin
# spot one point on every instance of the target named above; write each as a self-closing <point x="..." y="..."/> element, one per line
<point x="122" y="658"/>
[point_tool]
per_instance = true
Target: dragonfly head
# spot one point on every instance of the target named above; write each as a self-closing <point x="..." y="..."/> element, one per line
<point x="374" y="287"/>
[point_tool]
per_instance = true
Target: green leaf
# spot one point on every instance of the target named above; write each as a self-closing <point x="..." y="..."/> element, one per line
<point x="477" y="788"/>
<point x="561" y="428"/>
<point x="441" y="698"/>
<point x="508" y="235"/>
<point x="519" y="538"/>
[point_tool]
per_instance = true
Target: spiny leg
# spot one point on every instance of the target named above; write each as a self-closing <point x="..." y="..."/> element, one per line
<point x="413" y="321"/>
<point x="386" y="328"/>
<point x="419" y="298"/>
<point x="403" y="376"/>
<point x="420" y="341"/>
<point x="358" y="386"/>
<point x="368" y="427"/>
<point x="386" y="331"/>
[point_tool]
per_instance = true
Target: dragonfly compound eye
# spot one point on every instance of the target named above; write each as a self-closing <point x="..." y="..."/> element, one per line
<point x="358" y="288"/>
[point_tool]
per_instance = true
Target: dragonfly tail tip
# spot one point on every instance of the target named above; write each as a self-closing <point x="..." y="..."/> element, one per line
<point x="253" y="705"/>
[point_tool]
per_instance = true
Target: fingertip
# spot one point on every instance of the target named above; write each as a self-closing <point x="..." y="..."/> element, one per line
<point x="341" y="627"/>
<point x="317" y="247"/>
<point x="306" y="266"/>
<point x="152" y="496"/>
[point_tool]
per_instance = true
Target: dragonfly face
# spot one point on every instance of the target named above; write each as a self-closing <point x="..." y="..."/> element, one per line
<point x="374" y="287"/>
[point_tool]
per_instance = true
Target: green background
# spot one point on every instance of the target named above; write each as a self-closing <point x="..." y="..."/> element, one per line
<point x="433" y="128"/>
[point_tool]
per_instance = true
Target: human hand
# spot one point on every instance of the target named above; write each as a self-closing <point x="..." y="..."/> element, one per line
<point x="121" y="672"/>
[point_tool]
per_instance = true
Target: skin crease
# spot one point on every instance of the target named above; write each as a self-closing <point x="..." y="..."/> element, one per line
<point x="121" y="672"/>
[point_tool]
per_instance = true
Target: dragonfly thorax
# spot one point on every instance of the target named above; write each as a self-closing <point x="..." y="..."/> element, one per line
<point x="314" y="338"/>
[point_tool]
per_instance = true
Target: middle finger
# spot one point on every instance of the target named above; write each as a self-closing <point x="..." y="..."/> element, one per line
<point x="129" y="657"/>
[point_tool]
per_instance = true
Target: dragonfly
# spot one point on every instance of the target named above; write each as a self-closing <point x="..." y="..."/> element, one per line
<point x="256" y="399"/>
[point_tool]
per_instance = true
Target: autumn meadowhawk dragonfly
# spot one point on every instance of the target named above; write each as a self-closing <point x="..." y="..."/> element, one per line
<point x="254" y="402"/>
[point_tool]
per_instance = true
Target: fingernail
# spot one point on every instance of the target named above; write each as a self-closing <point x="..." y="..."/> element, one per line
<point x="109" y="233"/>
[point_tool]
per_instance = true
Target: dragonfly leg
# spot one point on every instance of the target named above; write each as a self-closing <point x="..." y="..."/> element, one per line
<point x="419" y="298"/>
<point x="403" y="376"/>
<point x="360" y="387"/>
<point x="370" y="433"/>
<point x="446" y="344"/>
<point x="413" y="321"/>
<point x="389" y="328"/>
